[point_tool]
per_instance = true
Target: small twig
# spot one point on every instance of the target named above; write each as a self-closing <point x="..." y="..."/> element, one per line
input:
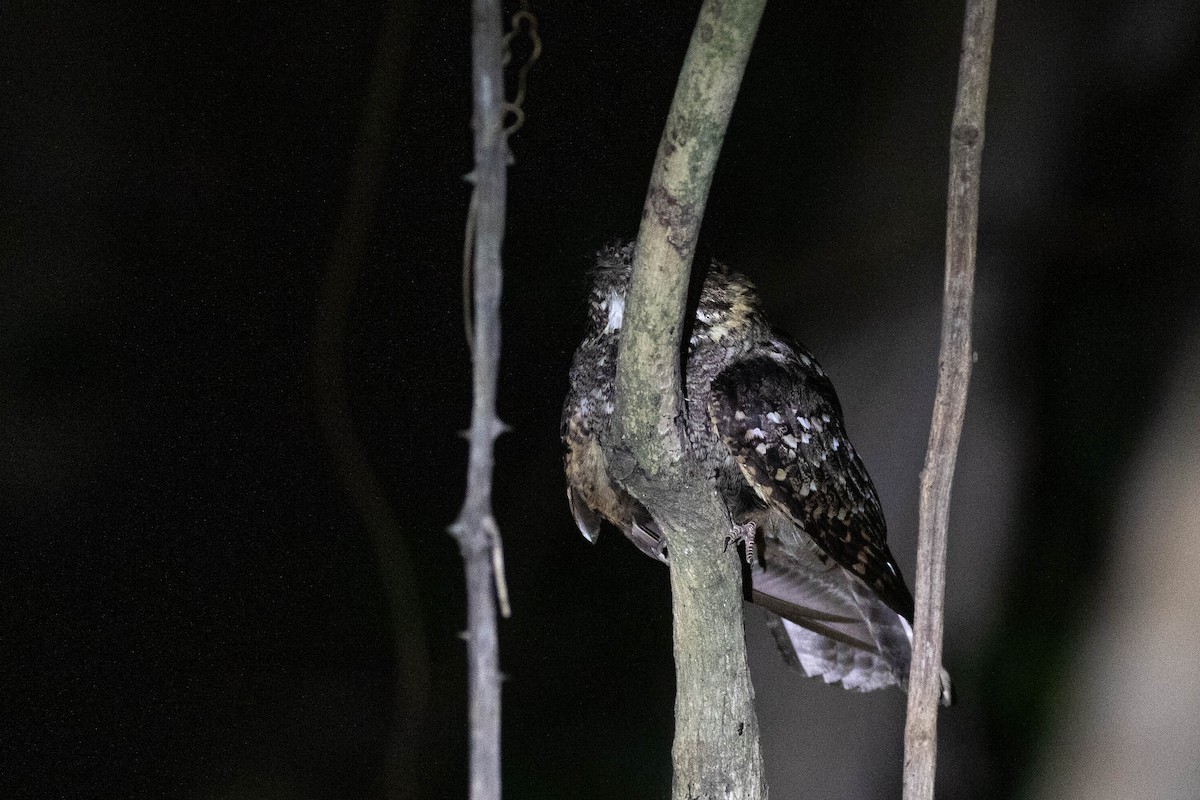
<point x="530" y="29"/>
<point x="716" y="751"/>
<point x="468" y="260"/>
<point x="498" y="568"/>
<point x="475" y="529"/>
<point x="954" y="374"/>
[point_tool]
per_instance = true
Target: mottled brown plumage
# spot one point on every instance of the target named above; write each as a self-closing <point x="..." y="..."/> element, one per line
<point x="763" y="419"/>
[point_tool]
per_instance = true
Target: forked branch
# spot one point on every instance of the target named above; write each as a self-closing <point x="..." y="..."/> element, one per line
<point x="716" y="752"/>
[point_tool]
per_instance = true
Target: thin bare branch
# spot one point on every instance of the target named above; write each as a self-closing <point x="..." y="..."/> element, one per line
<point x="954" y="374"/>
<point x="475" y="529"/>
<point x="716" y="751"/>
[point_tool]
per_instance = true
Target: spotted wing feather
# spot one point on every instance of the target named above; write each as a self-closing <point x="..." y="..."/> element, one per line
<point x="781" y="420"/>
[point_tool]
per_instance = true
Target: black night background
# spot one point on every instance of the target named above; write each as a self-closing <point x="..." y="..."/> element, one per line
<point x="193" y="605"/>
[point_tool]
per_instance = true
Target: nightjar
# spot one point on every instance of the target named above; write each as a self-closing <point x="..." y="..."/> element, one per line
<point x="763" y="420"/>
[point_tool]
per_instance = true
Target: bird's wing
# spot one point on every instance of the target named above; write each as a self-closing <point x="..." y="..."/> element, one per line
<point x="832" y="624"/>
<point x="816" y="655"/>
<point x="781" y="421"/>
<point x="593" y="497"/>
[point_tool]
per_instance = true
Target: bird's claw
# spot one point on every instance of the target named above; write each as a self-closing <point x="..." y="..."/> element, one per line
<point x="660" y="550"/>
<point x="742" y="533"/>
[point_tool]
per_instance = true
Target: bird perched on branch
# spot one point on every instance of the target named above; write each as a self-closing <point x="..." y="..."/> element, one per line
<point x="762" y="418"/>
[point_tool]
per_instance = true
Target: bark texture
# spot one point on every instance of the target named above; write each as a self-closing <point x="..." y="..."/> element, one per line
<point x="950" y="402"/>
<point x="716" y="752"/>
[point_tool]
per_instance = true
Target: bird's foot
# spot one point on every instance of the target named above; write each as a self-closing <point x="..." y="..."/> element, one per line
<point x="660" y="550"/>
<point x="742" y="533"/>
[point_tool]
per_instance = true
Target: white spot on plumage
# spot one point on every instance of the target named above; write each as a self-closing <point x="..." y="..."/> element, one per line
<point x="790" y="441"/>
<point x="804" y="423"/>
<point x="761" y="449"/>
<point x="774" y="417"/>
<point x="835" y="444"/>
<point x="805" y="438"/>
<point x="755" y="433"/>
<point x="616" y="312"/>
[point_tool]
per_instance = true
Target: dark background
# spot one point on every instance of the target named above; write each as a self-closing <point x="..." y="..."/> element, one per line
<point x="194" y="607"/>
